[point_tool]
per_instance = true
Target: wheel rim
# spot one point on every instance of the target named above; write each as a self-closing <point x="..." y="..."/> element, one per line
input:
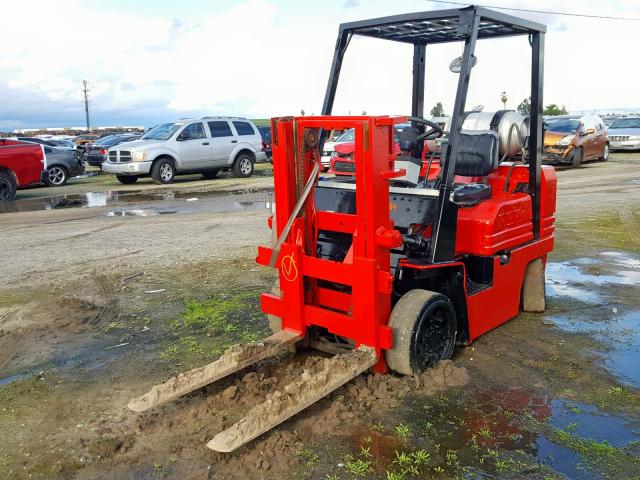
<point x="166" y="172"/>
<point x="432" y="338"/>
<point x="606" y="152"/>
<point x="245" y="166"/>
<point x="56" y="175"/>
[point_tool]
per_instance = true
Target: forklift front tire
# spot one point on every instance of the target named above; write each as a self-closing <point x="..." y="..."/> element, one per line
<point x="424" y="331"/>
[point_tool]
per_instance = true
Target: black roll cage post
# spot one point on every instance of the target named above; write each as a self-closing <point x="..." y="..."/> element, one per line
<point x="453" y="25"/>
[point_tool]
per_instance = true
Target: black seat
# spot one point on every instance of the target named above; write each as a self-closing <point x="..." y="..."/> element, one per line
<point x="471" y="194"/>
<point x="478" y="156"/>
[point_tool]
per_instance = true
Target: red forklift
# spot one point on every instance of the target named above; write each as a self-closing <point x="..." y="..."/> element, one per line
<point x="390" y="268"/>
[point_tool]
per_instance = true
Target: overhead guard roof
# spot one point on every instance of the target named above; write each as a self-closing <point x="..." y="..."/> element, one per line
<point x="441" y="26"/>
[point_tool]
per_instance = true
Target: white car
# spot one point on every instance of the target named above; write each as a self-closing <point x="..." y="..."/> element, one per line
<point x="327" y="151"/>
<point x="207" y="145"/>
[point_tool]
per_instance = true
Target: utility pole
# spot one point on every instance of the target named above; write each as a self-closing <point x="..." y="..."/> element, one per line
<point x="85" y="94"/>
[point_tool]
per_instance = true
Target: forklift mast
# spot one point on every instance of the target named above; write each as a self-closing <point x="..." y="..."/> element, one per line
<point x="444" y="26"/>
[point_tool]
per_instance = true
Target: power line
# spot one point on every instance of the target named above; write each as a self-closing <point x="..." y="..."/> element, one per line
<point x="566" y="14"/>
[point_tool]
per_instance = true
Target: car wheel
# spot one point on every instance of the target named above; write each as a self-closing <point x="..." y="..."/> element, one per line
<point x="210" y="174"/>
<point x="8" y="187"/>
<point x="57" y="176"/>
<point x="605" y="152"/>
<point x="243" y="166"/>
<point x="424" y="331"/>
<point x="577" y="157"/>
<point x="126" y="179"/>
<point x="163" y="171"/>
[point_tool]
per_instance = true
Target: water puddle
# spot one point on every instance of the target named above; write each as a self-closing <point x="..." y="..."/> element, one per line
<point x="554" y="432"/>
<point x="610" y="284"/>
<point x="588" y="279"/>
<point x="618" y="330"/>
<point x="141" y="203"/>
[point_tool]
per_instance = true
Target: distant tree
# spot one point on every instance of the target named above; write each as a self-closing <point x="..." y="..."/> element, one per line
<point x="438" y="110"/>
<point x="302" y="112"/>
<point x="364" y="112"/>
<point x="525" y="106"/>
<point x="553" y="109"/>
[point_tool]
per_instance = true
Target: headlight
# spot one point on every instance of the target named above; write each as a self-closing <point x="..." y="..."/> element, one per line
<point x="564" y="141"/>
<point x="139" y="156"/>
<point x="634" y="138"/>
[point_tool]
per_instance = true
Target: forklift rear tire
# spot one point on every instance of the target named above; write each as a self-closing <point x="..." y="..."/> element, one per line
<point x="424" y="331"/>
<point x="576" y="158"/>
<point x="533" y="287"/>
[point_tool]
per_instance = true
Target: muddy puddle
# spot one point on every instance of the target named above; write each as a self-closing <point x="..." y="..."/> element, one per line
<point x="141" y="203"/>
<point x="610" y="286"/>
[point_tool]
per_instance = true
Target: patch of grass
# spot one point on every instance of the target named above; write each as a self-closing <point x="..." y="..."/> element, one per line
<point x="111" y="326"/>
<point x="357" y="467"/>
<point x="207" y="327"/>
<point x="311" y="457"/>
<point x="615" y="462"/>
<point x="402" y="430"/>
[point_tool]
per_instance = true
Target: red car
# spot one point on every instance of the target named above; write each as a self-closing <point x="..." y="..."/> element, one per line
<point x="21" y="164"/>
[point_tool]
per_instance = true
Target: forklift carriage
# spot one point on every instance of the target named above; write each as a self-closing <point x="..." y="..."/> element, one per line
<point x="410" y="268"/>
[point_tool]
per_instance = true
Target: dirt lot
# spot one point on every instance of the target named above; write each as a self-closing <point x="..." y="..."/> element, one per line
<point x="106" y="290"/>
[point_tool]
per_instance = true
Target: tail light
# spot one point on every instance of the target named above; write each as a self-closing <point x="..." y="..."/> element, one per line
<point x="103" y="151"/>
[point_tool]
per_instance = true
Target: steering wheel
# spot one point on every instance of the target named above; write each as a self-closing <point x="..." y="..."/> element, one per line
<point x="434" y="131"/>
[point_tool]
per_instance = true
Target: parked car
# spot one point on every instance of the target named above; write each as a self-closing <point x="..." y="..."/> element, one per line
<point x="624" y="134"/>
<point x="265" y="132"/>
<point x="207" y="145"/>
<point x="82" y="140"/>
<point x="329" y="146"/>
<point x="43" y="141"/>
<point x="96" y="153"/>
<point x="21" y="164"/>
<point x="573" y="140"/>
<point x="62" y="164"/>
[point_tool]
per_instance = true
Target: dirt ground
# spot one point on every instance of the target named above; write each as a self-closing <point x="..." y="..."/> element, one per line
<point x="107" y="290"/>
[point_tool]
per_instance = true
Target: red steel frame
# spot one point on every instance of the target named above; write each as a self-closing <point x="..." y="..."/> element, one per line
<point x="361" y="315"/>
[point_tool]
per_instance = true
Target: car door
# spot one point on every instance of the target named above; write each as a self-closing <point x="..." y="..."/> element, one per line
<point x="193" y="146"/>
<point x="223" y="142"/>
<point x="601" y="137"/>
<point x="588" y="137"/>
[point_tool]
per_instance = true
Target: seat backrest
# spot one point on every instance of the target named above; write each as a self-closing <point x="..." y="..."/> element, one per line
<point x="478" y="153"/>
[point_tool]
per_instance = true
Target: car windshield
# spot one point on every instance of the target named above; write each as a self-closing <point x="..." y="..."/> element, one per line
<point x="266" y="133"/>
<point x="626" y="123"/>
<point x="564" y="125"/>
<point x="164" y="131"/>
<point x="348" y="136"/>
<point x="104" y="140"/>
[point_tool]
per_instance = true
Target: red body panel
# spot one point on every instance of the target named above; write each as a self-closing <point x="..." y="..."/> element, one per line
<point x="25" y="161"/>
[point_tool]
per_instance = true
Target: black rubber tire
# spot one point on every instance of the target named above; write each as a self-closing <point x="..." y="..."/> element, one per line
<point x="163" y="171"/>
<point x="127" y="179"/>
<point x="243" y="166"/>
<point x="577" y="157"/>
<point x="210" y="174"/>
<point x="606" y="152"/>
<point x="420" y="315"/>
<point x="8" y="187"/>
<point x="57" y="176"/>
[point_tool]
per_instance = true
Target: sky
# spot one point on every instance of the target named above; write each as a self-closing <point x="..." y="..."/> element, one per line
<point x="157" y="60"/>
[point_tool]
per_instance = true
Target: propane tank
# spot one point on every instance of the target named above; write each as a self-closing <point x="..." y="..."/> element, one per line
<point x="501" y="123"/>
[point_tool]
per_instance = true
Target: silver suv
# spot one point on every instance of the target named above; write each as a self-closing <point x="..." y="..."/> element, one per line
<point x="207" y="145"/>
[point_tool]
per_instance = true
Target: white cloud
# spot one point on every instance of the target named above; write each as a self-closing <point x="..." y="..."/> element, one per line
<point x="264" y="59"/>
